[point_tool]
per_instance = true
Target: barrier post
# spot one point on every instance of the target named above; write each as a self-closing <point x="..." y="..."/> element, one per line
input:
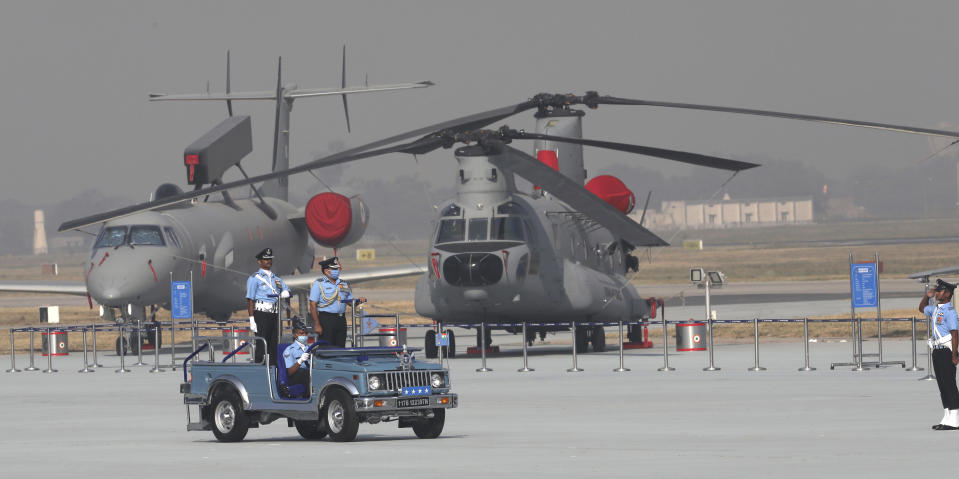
<point x="172" y="342"/>
<point x="51" y="347"/>
<point x="756" y="366"/>
<point x="13" y="361"/>
<point x="914" y="353"/>
<point x="805" y="339"/>
<point x="31" y="367"/>
<point x="709" y="323"/>
<point x="483" y="369"/>
<point x="665" y="353"/>
<point x="96" y="362"/>
<point x="233" y="338"/>
<point x="123" y="354"/>
<point x="575" y="368"/>
<point x="525" y="368"/>
<point x="156" y="350"/>
<point x="621" y="369"/>
<point x="858" y="327"/>
<point x="139" y="344"/>
<point x="930" y="376"/>
<point x="439" y="349"/>
<point x="86" y="365"/>
<point x="396" y="321"/>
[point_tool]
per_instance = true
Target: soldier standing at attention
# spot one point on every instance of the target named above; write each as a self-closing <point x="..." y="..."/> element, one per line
<point x="263" y="292"/>
<point x="945" y="350"/>
<point x="326" y="306"/>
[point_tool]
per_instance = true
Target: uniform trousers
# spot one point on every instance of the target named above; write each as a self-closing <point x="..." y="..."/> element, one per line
<point x="334" y="328"/>
<point x="266" y="329"/>
<point x="301" y="376"/>
<point x="946" y="377"/>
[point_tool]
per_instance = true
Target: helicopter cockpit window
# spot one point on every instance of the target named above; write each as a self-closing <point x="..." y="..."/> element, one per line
<point x="478" y="228"/>
<point x="111" y="237"/>
<point x="509" y="228"/>
<point x="451" y="230"/>
<point x="452" y="210"/>
<point x="146" y="235"/>
<point x="171" y="235"/>
<point x="509" y="208"/>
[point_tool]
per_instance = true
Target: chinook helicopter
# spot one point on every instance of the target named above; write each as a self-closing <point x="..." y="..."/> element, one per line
<point x="139" y="250"/>
<point x="558" y="253"/>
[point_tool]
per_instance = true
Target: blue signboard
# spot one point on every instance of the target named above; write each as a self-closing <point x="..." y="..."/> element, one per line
<point x="443" y="339"/>
<point x="864" y="284"/>
<point x="181" y="305"/>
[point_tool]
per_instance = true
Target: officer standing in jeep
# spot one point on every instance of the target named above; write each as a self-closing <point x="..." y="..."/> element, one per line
<point x="326" y="303"/>
<point x="263" y="293"/>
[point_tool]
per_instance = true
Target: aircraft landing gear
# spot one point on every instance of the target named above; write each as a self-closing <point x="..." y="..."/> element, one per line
<point x="531" y="336"/>
<point x="430" y="344"/>
<point x="450" y="351"/>
<point x="598" y="339"/>
<point x="479" y="339"/>
<point x="582" y="338"/>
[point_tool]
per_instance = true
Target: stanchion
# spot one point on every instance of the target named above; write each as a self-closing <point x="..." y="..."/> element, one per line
<point x="156" y="350"/>
<point x="96" y="362"/>
<point x="86" y="365"/>
<point x="914" y="353"/>
<point x="805" y="341"/>
<point x="665" y="352"/>
<point x="172" y="343"/>
<point x="139" y="345"/>
<point x="709" y="324"/>
<point x="232" y="343"/>
<point x="930" y="376"/>
<point x="31" y="367"/>
<point x="51" y="347"/>
<point x="439" y="349"/>
<point x="621" y="369"/>
<point x="483" y="369"/>
<point x="13" y="361"/>
<point x="525" y="368"/>
<point x="858" y="326"/>
<point x="123" y="354"/>
<point x="756" y="366"/>
<point x="575" y="368"/>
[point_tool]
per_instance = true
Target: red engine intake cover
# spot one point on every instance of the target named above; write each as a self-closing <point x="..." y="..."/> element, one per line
<point x="611" y="190"/>
<point x="328" y="218"/>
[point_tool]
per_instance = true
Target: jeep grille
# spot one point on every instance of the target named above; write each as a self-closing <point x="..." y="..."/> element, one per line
<point x="396" y="380"/>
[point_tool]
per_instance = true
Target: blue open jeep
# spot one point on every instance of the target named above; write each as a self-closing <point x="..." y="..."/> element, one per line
<point x="347" y="386"/>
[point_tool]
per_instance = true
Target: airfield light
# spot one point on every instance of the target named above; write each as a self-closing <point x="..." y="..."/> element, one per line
<point x="696" y="275"/>
<point x="716" y="277"/>
<point x="101" y="311"/>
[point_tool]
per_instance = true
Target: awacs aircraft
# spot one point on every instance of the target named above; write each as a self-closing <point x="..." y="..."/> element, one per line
<point x="138" y="250"/>
<point x="557" y="253"/>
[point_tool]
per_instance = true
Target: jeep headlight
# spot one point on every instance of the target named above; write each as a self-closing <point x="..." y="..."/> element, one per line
<point x="436" y="379"/>
<point x="374" y="383"/>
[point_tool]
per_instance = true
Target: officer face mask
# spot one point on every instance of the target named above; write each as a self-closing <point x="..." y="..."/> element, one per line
<point x="334" y="273"/>
<point x="301" y="339"/>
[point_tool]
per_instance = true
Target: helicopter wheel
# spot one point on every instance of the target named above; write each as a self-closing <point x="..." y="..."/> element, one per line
<point x="598" y="339"/>
<point x="479" y="341"/>
<point x="430" y="344"/>
<point x="450" y="350"/>
<point x="582" y="339"/>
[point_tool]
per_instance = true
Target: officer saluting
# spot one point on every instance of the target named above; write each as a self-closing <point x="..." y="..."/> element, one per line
<point x="326" y="308"/>
<point x="945" y="349"/>
<point x="263" y="291"/>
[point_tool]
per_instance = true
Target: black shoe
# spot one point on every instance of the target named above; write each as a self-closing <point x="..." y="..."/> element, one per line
<point x="943" y="427"/>
<point x="937" y="427"/>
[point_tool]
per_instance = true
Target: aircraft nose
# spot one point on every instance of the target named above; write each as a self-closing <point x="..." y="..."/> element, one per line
<point x="119" y="277"/>
<point x="473" y="269"/>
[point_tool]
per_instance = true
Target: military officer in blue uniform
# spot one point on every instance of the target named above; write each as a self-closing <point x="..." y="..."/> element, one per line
<point x="263" y="292"/>
<point x="296" y="359"/>
<point x="327" y="294"/>
<point x="945" y="349"/>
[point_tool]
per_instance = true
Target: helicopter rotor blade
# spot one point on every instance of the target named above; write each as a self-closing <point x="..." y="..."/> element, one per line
<point x="229" y="103"/>
<point x="573" y="194"/>
<point x="675" y="155"/>
<point x="611" y="100"/>
<point x="346" y="109"/>
<point x="276" y="121"/>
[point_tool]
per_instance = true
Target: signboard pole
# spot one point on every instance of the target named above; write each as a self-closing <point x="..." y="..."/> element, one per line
<point x="852" y="313"/>
<point x="878" y="311"/>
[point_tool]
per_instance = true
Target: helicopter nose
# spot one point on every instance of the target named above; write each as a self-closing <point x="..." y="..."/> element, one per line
<point x="120" y="277"/>
<point x="473" y="269"/>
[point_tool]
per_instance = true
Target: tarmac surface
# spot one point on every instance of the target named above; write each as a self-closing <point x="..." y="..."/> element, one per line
<point x="550" y="422"/>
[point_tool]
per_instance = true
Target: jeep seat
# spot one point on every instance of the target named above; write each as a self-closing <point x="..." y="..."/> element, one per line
<point x="289" y="392"/>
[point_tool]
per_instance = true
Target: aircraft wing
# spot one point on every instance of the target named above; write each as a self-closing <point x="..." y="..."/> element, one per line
<point x="303" y="281"/>
<point x="77" y="288"/>
<point x="924" y="275"/>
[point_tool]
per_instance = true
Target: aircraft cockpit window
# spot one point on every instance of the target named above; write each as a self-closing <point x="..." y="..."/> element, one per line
<point x="509" y="208"/>
<point x="146" y="235"/>
<point x="509" y="228"/>
<point x="478" y="227"/>
<point x="451" y="230"/>
<point x="452" y="210"/>
<point x="111" y="237"/>
<point x="171" y="235"/>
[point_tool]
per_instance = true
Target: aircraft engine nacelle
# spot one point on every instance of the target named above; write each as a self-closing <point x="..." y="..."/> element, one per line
<point x="335" y="220"/>
<point x="613" y="191"/>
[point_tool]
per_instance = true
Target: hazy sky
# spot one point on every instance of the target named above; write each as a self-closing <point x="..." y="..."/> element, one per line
<point x="76" y="77"/>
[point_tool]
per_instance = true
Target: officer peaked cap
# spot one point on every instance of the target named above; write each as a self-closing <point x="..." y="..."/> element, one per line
<point x="944" y="286"/>
<point x="298" y="324"/>
<point x="330" y="263"/>
<point x="267" y="253"/>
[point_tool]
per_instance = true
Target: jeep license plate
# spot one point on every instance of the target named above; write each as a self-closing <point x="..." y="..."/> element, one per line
<point x="412" y="402"/>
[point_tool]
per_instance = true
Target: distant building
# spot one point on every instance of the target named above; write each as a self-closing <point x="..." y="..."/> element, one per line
<point x="728" y="213"/>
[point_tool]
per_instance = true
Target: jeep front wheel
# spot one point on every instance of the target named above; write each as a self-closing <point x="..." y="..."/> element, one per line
<point x="340" y="417"/>
<point x="431" y="428"/>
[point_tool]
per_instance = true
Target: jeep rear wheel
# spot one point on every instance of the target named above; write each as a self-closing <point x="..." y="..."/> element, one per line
<point x="340" y="417"/>
<point x="230" y="423"/>
<point x="431" y="428"/>
<point x="313" y="430"/>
